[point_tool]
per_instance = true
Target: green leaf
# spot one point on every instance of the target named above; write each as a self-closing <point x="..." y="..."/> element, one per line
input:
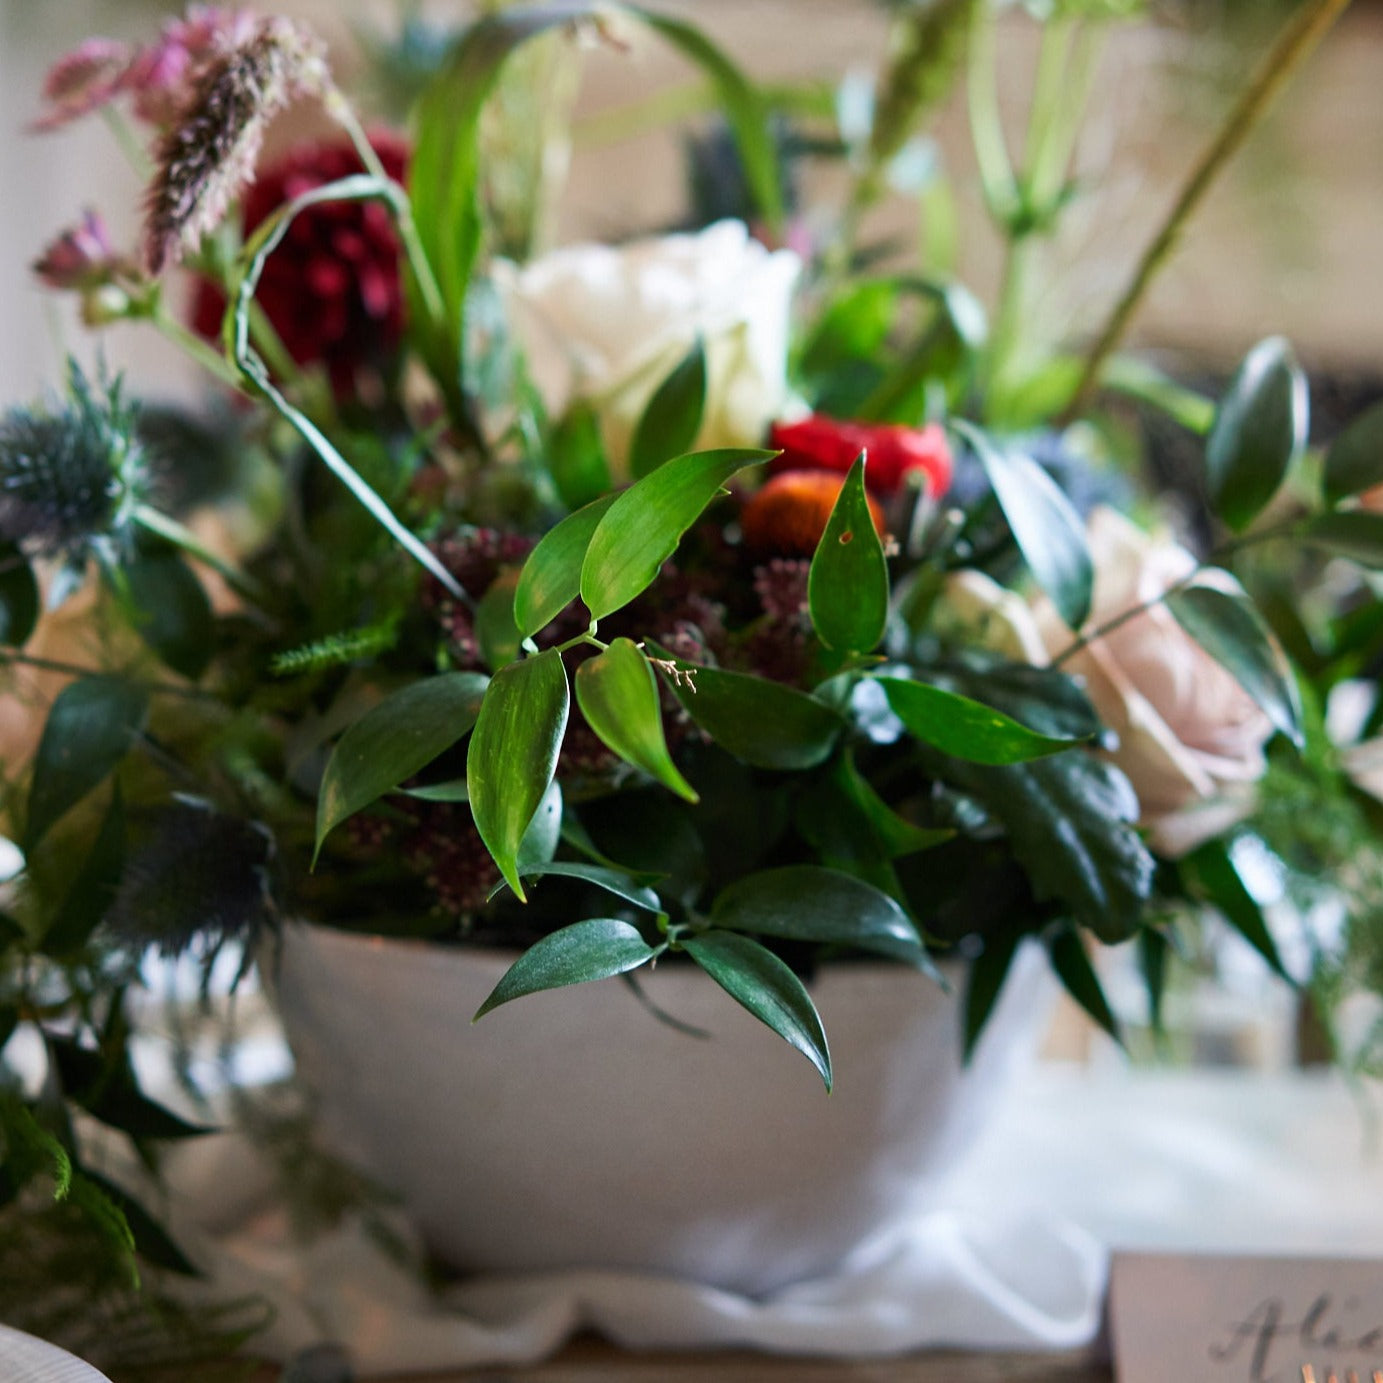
<point x="1355" y="460"/>
<point x="763" y="723"/>
<point x="151" y="1241"/>
<point x="847" y="587"/>
<point x="93" y="890"/>
<point x="1153" y="952"/>
<point x="1080" y="981"/>
<point x="513" y="754"/>
<point x="988" y="971"/>
<point x="1070" y="824"/>
<point x="1045" y="526"/>
<point x="964" y="728"/>
<point x="672" y="418"/>
<point x="1042" y="698"/>
<point x="1232" y="631"/>
<point x="107" y="1089"/>
<point x="822" y="906"/>
<point x="495" y="631"/>
<point x="755" y="978"/>
<point x="618" y="694"/>
<point x="855" y="326"/>
<point x="551" y="577"/>
<point x="1213" y="873"/>
<point x="576" y="458"/>
<point x="170" y="609"/>
<point x="1356" y="534"/>
<point x="613" y="881"/>
<point x="643" y="526"/>
<point x="1259" y="430"/>
<point x="591" y="950"/>
<point x="395" y="740"/>
<point x="444" y="172"/>
<point x="544" y="833"/>
<point x="453" y="790"/>
<point x="18" y="596"/>
<point x="89" y="729"/>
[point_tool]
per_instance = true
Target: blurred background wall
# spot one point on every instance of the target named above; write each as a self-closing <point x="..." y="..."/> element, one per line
<point x="1292" y="241"/>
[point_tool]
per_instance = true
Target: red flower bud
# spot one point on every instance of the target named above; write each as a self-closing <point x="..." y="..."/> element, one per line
<point x="789" y="514"/>
<point x="894" y="452"/>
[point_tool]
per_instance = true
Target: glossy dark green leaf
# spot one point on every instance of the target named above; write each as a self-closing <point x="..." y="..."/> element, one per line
<point x="495" y="631"/>
<point x="760" y="722"/>
<point x="1214" y="874"/>
<point x="170" y="609"/>
<point x="1232" y="631"/>
<point x="964" y="728"/>
<point x="1080" y="981"/>
<point x="89" y="729"/>
<point x="551" y="577"/>
<point x="1354" y="462"/>
<point x="513" y="754"/>
<point x="544" y="833"/>
<point x="591" y="950"/>
<point x="1356" y="534"/>
<point x="19" y="597"/>
<point x="1259" y="430"/>
<point x="618" y="695"/>
<point x="576" y="458"/>
<point x="847" y="586"/>
<point x="672" y="418"/>
<point x="988" y="971"/>
<point x="614" y="881"/>
<point x="1154" y="950"/>
<point x="651" y="834"/>
<point x="1070" y="822"/>
<point x="643" y="526"/>
<point x="1044" y="699"/>
<point x="754" y="977"/>
<point x="93" y="890"/>
<point x="823" y="906"/>
<point x="1046" y="527"/>
<point x="107" y="1089"/>
<point x="395" y="740"/>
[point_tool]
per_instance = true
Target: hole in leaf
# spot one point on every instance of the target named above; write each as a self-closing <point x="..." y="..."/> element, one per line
<point x="846" y="537"/>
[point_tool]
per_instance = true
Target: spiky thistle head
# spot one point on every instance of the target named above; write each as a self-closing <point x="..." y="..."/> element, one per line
<point x="195" y="874"/>
<point x="206" y="158"/>
<point x="70" y="475"/>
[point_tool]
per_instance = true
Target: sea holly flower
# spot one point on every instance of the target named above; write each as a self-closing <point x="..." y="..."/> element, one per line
<point x="895" y="452"/>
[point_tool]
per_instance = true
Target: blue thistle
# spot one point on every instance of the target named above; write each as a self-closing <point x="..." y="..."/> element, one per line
<point x="70" y="476"/>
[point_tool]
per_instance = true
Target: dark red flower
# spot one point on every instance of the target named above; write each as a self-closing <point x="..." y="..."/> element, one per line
<point x="789" y="514"/>
<point x="894" y="452"/>
<point x="333" y="289"/>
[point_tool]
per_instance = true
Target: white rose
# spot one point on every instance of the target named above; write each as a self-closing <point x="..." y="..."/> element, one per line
<point x="609" y="324"/>
<point x="1190" y="738"/>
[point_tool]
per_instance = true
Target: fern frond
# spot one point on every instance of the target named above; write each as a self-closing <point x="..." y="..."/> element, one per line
<point x="336" y="649"/>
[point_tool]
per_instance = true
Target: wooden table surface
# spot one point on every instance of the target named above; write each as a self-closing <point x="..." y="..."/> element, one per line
<point x="593" y="1361"/>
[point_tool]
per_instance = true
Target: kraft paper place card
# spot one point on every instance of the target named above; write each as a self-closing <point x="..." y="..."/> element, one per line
<point x="1184" y="1318"/>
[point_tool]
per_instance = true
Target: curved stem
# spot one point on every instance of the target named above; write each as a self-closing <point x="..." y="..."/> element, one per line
<point x="192" y="345"/>
<point x="169" y="529"/>
<point x="1303" y="32"/>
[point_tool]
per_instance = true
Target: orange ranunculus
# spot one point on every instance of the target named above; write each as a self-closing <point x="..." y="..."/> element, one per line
<point x="789" y="514"/>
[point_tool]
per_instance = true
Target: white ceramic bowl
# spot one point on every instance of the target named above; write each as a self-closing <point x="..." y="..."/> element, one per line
<point x="573" y="1129"/>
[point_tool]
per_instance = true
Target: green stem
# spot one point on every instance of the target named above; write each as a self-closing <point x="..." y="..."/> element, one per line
<point x="13" y="656"/>
<point x="128" y="141"/>
<point x="169" y="529"/>
<point x="1297" y="41"/>
<point x="206" y="355"/>
<point x="1008" y="317"/>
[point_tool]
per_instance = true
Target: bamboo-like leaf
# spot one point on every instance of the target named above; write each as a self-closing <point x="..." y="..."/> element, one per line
<point x="672" y="418"/>
<point x="618" y="694"/>
<point x="847" y="586"/>
<point x="754" y="977"/>
<point x="513" y="754"/>
<point x="1355" y="460"/>
<point x="395" y="740"/>
<point x="988" y="971"/>
<point x="643" y="526"/>
<point x="964" y="728"/>
<point x="594" y="949"/>
<point x="551" y="577"/>
<point x="1080" y="981"/>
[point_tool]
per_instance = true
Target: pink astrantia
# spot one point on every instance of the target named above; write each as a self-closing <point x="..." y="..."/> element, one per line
<point x="82" y="81"/>
<point x="81" y="257"/>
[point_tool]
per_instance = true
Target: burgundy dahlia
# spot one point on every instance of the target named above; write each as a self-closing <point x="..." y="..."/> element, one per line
<point x="333" y="289"/>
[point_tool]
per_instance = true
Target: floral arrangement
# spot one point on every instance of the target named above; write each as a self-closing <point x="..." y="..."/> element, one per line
<point x="718" y="595"/>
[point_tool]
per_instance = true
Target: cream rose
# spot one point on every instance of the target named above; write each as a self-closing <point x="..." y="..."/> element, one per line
<point x="608" y="324"/>
<point x="1190" y="738"/>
